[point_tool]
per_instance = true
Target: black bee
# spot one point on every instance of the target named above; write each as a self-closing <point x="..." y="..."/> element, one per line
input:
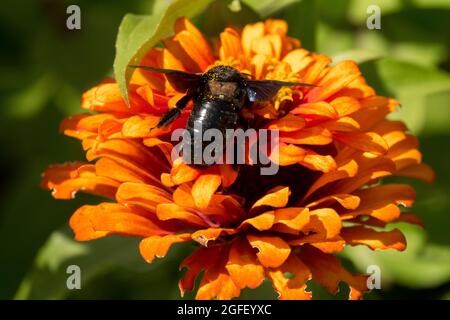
<point x="218" y="96"/>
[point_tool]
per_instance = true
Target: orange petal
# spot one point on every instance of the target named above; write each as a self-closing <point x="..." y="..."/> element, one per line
<point x="202" y="259"/>
<point x="348" y="201"/>
<point x="357" y="89"/>
<point x="109" y="168"/>
<point x="261" y="222"/>
<point x="325" y="222"/>
<point x="171" y="211"/>
<point x="132" y="155"/>
<point x="106" y="97"/>
<point x="328" y="271"/>
<point x="332" y="246"/>
<point x="316" y="68"/>
<point x="262" y="46"/>
<point x="310" y="136"/>
<point x="276" y="26"/>
<point x="291" y="288"/>
<point x="56" y="174"/>
<point x="297" y="59"/>
<point x="337" y="78"/>
<point x="373" y="110"/>
<point x="347" y="169"/>
<point x="217" y="284"/>
<point x="318" y="162"/>
<point x="204" y="188"/>
<point x="381" y="201"/>
<point x="344" y="124"/>
<point x="211" y="234"/>
<point x="158" y="246"/>
<point x="259" y="65"/>
<point x="368" y="141"/>
<point x="164" y="147"/>
<point x="83" y="125"/>
<point x="192" y="49"/>
<point x="292" y="218"/>
<point x="381" y="167"/>
<point x="182" y="173"/>
<point x="276" y="199"/>
<point x="250" y="33"/>
<point x="143" y="195"/>
<point x="141" y="77"/>
<point x="419" y="171"/>
<point x="69" y="126"/>
<point x="91" y="222"/>
<point x="141" y="127"/>
<point x="230" y="45"/>
<point x="157" y="100"/>
<point x="110" y="129"/>
<point x="316" y="109"/>
<point x="272" y="251"/>
<point x="383" y="240"/>
<point x="404" y="153"/>
<point x="166" y="180"/>
<point x="187" y="33"/>
<point x="288" y="123"/>
<point x="345" y="105"/>
<point x="289" y="154"/>
<point x="227" y="174"/>
<point x="276" y="42"/>
<point x="189" y="46"/>
<point x="65" y="180"/>
<point x="410" y="218"/>
<point x="244" y="269"/>
<point x="182" y="196"/>
<point x="387" y="126"/>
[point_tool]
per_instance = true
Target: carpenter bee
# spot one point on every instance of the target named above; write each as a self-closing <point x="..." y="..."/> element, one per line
<point x="218" y="96"/>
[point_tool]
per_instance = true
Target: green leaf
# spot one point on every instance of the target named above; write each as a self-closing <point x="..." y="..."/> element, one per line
<point x="47" y="277"/>
<point x="31" y="100"/>
<point x="331" y="41"/>
<point x="268" y="7"/>
<point x="410" y="84"/>
<point x="139" y="33"/>
<point x="421" y="265"/>
<point x="357" y="55"/>
<point x="221" y="14"/>
<point x="302" y="18"/>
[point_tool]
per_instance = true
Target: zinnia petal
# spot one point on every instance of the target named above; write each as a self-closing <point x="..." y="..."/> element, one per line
<point x="272" y="251"/>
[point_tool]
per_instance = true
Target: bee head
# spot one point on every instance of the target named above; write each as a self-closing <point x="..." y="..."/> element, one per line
<point x="225" y="82"/>
<point x="224" y="73"/>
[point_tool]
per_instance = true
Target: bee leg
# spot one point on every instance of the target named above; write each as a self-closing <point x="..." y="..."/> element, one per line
<point x="171" y="115"/>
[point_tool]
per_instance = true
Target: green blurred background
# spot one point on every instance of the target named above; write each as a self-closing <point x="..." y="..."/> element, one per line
<point x="45" y="67"/>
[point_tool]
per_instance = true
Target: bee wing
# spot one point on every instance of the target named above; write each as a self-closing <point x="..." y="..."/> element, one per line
<point x="179" y="80"/>
<point x="266" y="89"/>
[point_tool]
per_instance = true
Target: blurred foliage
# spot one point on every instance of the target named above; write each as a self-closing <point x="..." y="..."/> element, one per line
<point x="45" y="67"/>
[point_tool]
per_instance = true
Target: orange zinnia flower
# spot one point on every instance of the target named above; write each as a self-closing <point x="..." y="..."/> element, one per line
<point x="335" y="146"/>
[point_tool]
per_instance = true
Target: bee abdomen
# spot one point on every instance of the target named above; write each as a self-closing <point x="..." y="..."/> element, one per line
<point x="208" y="114"/>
